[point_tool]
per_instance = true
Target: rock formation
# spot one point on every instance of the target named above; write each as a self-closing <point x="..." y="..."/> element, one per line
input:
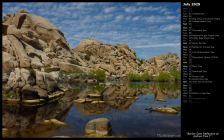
<point x="119" y="60"/>
<point x="36" y="53"/>
<point x="114" y="59"/>
<point x="161" y="63"/>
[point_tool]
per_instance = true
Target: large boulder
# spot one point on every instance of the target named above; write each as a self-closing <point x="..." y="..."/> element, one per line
<point x="32" y="50"/>
<point x="99" y="127"/>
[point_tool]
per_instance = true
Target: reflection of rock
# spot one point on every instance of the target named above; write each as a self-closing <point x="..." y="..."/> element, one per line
<point x="120" y="97"/>
<point x="42" y="129"/>
<point x="98" y="127"/>
<point x="90" y="109"/>
<point x="36" y="121"/>
<point x="117" y="96"/>
<point x="177" y="108"/>
<point x="164" y="91"/>
<point x="54" y="122"/>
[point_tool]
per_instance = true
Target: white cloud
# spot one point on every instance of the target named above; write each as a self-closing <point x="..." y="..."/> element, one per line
<point x="154" y="19"/>
<point x="162" y="45"/>
<point x="130" y="9"/>
<point x="128" y="17"/>
<point x="133" y="9"/>
<point x="135" y="18"/>
<point x="103" y="16"/>
<point x="171" y="17"/>
<point x="171" y="27"/>
<point x="140" y="3"/>
<point x="109" y="9"/>
<point x="119" y="17"/>
<point x="165" y="11"/>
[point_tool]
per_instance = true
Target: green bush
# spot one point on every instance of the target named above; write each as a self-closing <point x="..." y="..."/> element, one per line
<point x="146" y="77"/>
<point x="163" y="77"/>
<point x="136" y="77"/>
<point x="99" y="75"/>
<point x="176" y="75"/>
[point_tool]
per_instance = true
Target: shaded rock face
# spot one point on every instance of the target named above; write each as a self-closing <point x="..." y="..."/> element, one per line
<point x="34" y="51"/>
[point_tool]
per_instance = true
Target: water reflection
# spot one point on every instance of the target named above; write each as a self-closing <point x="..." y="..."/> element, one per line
<point x="26" y="121"/>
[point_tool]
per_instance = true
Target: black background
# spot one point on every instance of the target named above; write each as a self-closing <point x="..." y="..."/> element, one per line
<point x="206" y="116"/>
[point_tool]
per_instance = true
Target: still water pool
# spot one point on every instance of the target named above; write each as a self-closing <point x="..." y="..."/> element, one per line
<point x="128" y="116"/>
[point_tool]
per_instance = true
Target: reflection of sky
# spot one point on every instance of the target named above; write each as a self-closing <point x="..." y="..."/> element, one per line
<point x="148" y="28"/>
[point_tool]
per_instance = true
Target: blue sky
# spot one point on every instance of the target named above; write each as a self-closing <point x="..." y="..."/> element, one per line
<point x="149" y="28"/>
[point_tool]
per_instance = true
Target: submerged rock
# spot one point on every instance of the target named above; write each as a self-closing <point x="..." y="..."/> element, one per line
<point x="79" y="101"/>
<point x="165" y="110"/>
<point x="94" y="95"/>
<point x="61" y="137"/>
<point x="54" y="122"/>
<point x="5" y="132"/>
<point x="98" y="127"/>
<point x="131" y="97"/>
<point x="97" y="102"/>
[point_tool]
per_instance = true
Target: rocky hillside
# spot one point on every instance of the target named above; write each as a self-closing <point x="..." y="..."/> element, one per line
<point x="161" y="63"/>
<point x="121" y="60"/>
<point x="114" y="59"/>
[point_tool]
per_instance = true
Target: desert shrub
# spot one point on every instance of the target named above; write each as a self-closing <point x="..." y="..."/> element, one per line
<point x="99" y="75"/>
<point x="176" y="75"/>
<point x="163" y="77"/>
<point x="137" y="77"/>
<point x="134" y="77"/>
<point x="146" y="77"/>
